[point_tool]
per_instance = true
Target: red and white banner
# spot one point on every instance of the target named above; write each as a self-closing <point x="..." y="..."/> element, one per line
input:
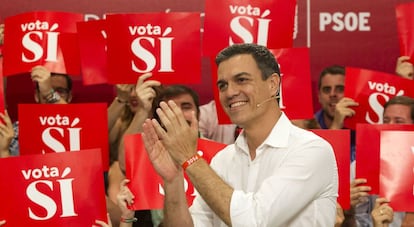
<point x="50" y="128"/>
<point x="372" y="89"/>
<point x="368" y="151"/>
<point x="56" y="189"/>
<point x="166" y="44"/>
<point x="265" y="22"/>
<point x="146" y="184"/>
<point x="295" y="92"/>
<point x="41" y="38"/>
<point x="405" y="24"/>
<point x="92" y="47"/>
<point x="396" y="169"/>
<point x="340" y="141"/>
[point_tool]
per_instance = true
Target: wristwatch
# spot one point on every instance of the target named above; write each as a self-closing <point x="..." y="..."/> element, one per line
<point x="53" y="97"/>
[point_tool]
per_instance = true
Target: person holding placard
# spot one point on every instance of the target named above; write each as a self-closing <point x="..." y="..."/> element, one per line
<point x="335" y="107"/>
<point x="367" y="209"/>
<point x="133" y="103"/>
<point x="51" y="88"/>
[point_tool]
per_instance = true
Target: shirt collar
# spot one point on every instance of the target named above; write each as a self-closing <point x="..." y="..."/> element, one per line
<point x="280" y="133"/>
<point x="278" y="137"/>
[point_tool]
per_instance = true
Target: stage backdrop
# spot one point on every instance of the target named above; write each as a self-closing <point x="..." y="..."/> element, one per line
<point x="353" y="33"/>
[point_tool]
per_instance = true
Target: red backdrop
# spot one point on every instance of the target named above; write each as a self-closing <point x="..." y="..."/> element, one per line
<point x="351" y="33"/>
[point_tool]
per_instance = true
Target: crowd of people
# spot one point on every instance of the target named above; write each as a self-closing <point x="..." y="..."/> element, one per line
<point x="260" y="178"/>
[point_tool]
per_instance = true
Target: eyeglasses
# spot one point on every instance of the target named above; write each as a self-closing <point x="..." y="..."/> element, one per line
<point x="337" y="89"/>
<point x="62" y="91"/>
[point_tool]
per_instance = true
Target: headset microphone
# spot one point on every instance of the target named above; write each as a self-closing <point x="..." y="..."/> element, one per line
<point x="266" y="100"/>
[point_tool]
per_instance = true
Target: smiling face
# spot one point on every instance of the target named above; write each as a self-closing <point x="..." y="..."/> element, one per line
<point x="241" y="89"/>
<point x="330" y="92"/>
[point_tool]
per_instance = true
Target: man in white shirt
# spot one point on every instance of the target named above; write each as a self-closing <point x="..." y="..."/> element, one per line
<point x="274" y="175"/>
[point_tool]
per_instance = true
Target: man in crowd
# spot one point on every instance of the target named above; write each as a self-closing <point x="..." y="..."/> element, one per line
<point x="335" y="107"/>
<point x="50" y="88"/>
<point x="368" y="209"/>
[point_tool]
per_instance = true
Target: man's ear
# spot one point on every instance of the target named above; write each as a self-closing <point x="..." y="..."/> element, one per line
<point x="274" y="83"/>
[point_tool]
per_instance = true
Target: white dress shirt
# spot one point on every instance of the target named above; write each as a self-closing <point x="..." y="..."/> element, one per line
<point x="293" y="181"/>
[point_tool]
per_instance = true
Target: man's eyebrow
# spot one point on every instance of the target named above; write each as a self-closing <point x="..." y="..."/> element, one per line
<point x="238" y="75"/>
<point x="186" y="104"/>
<point x="235" y="76"/>
<point x="242" y="74"/>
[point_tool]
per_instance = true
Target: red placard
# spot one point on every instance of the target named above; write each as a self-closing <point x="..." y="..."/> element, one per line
<point x="139" y="169"/>
<point x="56" y="189"/>
<point x="71" y="54"/>
<point x="372" y="89"/>
<point x="296" y="90"/>
<point x="340" y="141"/>
<point x="265" y="22"/>
<point x="368" y="151"/>
<point x="50" y="128"/>
<point x="396" y="169"/>
<point x="92" y="45"/>
<point x="38" y="39"/>
<point x="166" y="44"/>
<point x="405" y="23"/>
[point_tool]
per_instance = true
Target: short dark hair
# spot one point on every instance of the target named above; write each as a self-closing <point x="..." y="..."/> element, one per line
<point x="66" y="76"/>
<point x="176" y="90"/>
<point x="264" y="59"/>
<point x="402" y="100"/>
<point x="333" y="69"/>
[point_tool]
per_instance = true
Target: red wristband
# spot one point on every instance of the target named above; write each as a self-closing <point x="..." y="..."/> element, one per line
<point x="190" y="161"/>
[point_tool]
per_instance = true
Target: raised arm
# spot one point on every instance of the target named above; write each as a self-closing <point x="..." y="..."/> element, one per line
<point x="125" y="199"/>
<point x="46" y="94"/>
<point x="145" y="94"/>
<point x="118" y="104"/>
